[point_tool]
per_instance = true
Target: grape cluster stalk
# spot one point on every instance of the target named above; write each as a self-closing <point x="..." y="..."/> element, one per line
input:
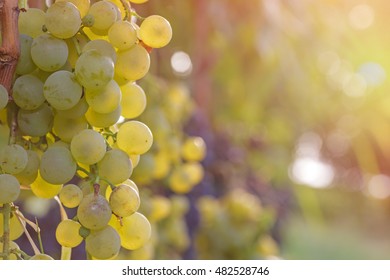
<point x="69" y="108"/>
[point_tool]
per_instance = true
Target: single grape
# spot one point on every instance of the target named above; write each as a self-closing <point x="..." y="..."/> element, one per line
<point x="67" y="233"/>
<point x="132" y="64"/>
<point x="161" y="208"/>
<point x="104" y="14"/>
<point x="101" y="46"/>
<point x="94" y="70"/>
<point x="115" y="166"/>
<point x="13" y="159"/>
<point x="31" y="22"/>
<point x="134" y="137"/>
<point x="57" y="165"/>
<point x="122" y="35"/>
<point x="104" y="243"/>
<point x="155" y="31"/>
<point x="106" y="99"/>
<point x="124" y="200"/>
<point x="82" y="5"/>
<point x="3" y="97"/>
<point x="133" y="100"/>
<point x="16" y="228"/>
<point x="62" y="90"/>
<point x="30" y="172"/>
<point x="179" y="181"/>
<point x="103" y="120"/>
<point x="63" y="19"/>
<point x="36" y="122"/>
<point x="67" y="128"/>
<point x="134" y="231"/>
<point x="25" y="63"/>
<point x="194" y="149"/>
<point x="88" y="146"/>
<point x="71" y="195"/>
<point x="49" y="53"/>
<point x="9" y="188"/>
<point x="27" y="92"/>
<point x="43" y="189"/>
<point x="94" y="212"/>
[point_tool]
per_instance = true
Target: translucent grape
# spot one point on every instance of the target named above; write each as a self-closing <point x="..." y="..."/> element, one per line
<point x="67" y="128"/>
<point x="63" y="19"/>
<point x="134" y="137"/>
<point x="57" y="165"/>
<point x="62" y="90"/>
<point x="30" y="172"/>
<point x="115" y="166"/>
<point x="88" y="146"/>
<point x="155" y="31"/>
<point x="122" y="35"/>
<point x="102" y="46"/>
<point x="93" y="70"/>
<point x="3" y="97"/>
<point x="103" y="244"/>
<point x="132" y="64"/>
<point x="124" y="200"/>
<point x="28" y="92"/>
<point x="13" y="159"/>
<point x="194" y="149"/>
<point x="134" y="232"/>
<point x="133" y="100"/>
<point x="82" y="5"/>
<point x="76" y="112"/>
<point x="49" y="53"/>
<point x="67" y="233"/>
<point x="104" y="14"/>
<point x="179" y="181"/>
<point x="103" y="120"/>
<point x="161" y="208"/>
<point x="43" y="189"/>
<point x="94" y="212"/>
<point x="31" y="22"/>
<point x="104" y="100"/>
<point x="15" y="227"/>
<point x="9" y="188"/>
<point x="71" y="195"/>
<point x="25" y="63"/>
<point x="36" y="122"/>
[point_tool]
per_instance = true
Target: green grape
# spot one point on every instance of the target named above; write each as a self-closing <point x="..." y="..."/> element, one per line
<point x="134" y="231"/>
<point x="3" y="97"/>
<point x="179" y="181"/>
<point x="103" y="120"/>
<point x="12" y="246"/>
<point x="193" y="149"/>
<point x="132" y="64"/>
<point x="13" y="159"/>
<point x="9" y="188"/>
<point x="134" y="137"/>
<point x="36" y="122"/>
<point x="102" y="46"/>
<point x="82" y="6"/>
<point x="104" y="14"/>
<point x="25" y="63"/>
<point x="30" y="172"/>
<point x="27" y="92"/>
<point x="16" y="228"/>
<point x="48" y="52"/>
<point x="94" y="211"/>
<point x="93" y="70"/>
<point x="57" y="165"/>
<point x="105" y="100"/>
<point x="62" y="90"/>
<point x="71" y="195"/>
<point x="115" y="166"/>
<point x="41" y="257"/>
<point x="88" y="146"/>
<point x="43" y="189"/>
<point x="67" y="233"/>
<point x="122" y="35"/>
<point x="124" y="200"/>
<point x="67" y="128"/>
<point x="31" y="22"/>
<point x="103" y="244"/>
<point x="76" y="112"/>
<point x="63" y="19"/>
<point x="133" y="100"/>
<point x="155" y="31"/>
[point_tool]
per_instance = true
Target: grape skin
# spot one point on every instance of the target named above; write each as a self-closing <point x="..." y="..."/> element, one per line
<point x="94" y="212"/>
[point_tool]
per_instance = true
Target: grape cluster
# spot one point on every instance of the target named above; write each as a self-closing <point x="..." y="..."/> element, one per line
<point x="73" y="114"/>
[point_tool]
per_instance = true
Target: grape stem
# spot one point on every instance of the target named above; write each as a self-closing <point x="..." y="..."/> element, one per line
<point x="127" y="8"/>
<point x="39" y="236"/>
<point x="6" y="228"/>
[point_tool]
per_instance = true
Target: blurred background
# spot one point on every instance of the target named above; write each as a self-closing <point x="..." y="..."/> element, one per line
<point x="292" y="100"/>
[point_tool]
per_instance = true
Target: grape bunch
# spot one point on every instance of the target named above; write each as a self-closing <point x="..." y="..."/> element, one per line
<point x="72" y="118"/>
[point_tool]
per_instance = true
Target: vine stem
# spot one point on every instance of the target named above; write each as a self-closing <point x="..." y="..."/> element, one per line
<point x="6" y="224"/>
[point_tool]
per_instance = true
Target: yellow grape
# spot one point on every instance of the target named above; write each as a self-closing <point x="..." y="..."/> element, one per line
<point x="104" y="243"/>
<point x="102" y="46"/>
<point x="88" y="146"/>
<point x="155" y="31"/>
<point x="31" y="22"/>
<point x="133" y="100"/>
<point x="94" y="211"/>
<point x="43" y="189"/>
<point x="115" y="166"/>
<point x="67" y="128"/>
<point x="124" y="200"/>
<point x="103" y="120"/>
<point x="104" y="15"/>
<point x="67" y="233"/>
<point x="82" y="5"/>
<point x="106" y="99"/>
<point x="122" y="35"/>
<point x="194" y="149"/>
<point x="71" y="195"/>
<point x="134" y="137"/>
<point x="132" y="64"/>
<point x="16" y="227"/>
